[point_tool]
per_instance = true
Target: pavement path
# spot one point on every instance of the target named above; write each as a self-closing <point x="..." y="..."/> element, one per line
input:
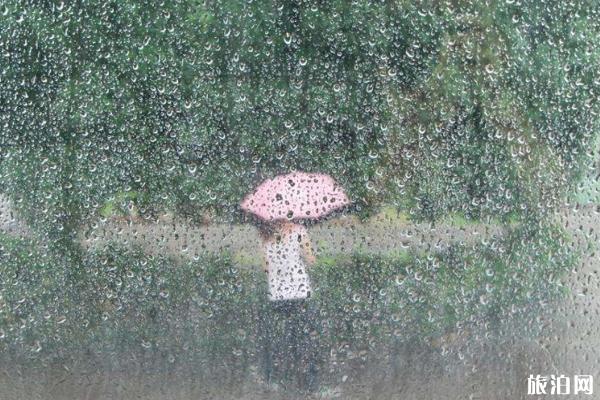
<point x="380" y="234"/>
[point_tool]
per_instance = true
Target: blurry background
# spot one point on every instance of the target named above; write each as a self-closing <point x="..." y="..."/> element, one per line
<point x="465" y="132"/>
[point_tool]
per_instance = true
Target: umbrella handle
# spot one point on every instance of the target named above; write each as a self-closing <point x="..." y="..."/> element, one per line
<point x="307" y="250"/>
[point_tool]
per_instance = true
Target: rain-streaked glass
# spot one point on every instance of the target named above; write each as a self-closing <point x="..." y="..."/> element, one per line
<point x="299" y="199"/>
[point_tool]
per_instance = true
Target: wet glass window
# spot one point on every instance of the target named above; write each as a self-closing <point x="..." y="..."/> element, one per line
<point x="299" y="199"/>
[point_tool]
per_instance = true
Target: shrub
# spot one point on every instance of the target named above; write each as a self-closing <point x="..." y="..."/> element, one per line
<point x="120" y="302"/>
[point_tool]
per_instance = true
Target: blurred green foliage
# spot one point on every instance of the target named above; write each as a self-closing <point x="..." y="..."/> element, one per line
<point x="121" y="302"/>
<point x="485" y="108"/>
<point x="475" y="109"/>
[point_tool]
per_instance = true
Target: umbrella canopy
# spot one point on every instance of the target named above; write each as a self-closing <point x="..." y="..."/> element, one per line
<point x="298" y="195"/>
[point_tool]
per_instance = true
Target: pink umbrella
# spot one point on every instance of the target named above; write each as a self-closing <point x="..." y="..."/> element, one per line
<point x="298" y="195"/>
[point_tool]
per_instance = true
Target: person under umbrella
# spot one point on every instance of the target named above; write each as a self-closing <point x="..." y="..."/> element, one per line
<point x="280" y="203"/>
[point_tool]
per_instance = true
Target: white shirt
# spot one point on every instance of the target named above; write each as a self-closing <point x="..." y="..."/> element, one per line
<point x="286" y="269"/>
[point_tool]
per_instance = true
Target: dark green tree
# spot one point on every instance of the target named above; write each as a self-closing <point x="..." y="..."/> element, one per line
<point x="486" y="108"/>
